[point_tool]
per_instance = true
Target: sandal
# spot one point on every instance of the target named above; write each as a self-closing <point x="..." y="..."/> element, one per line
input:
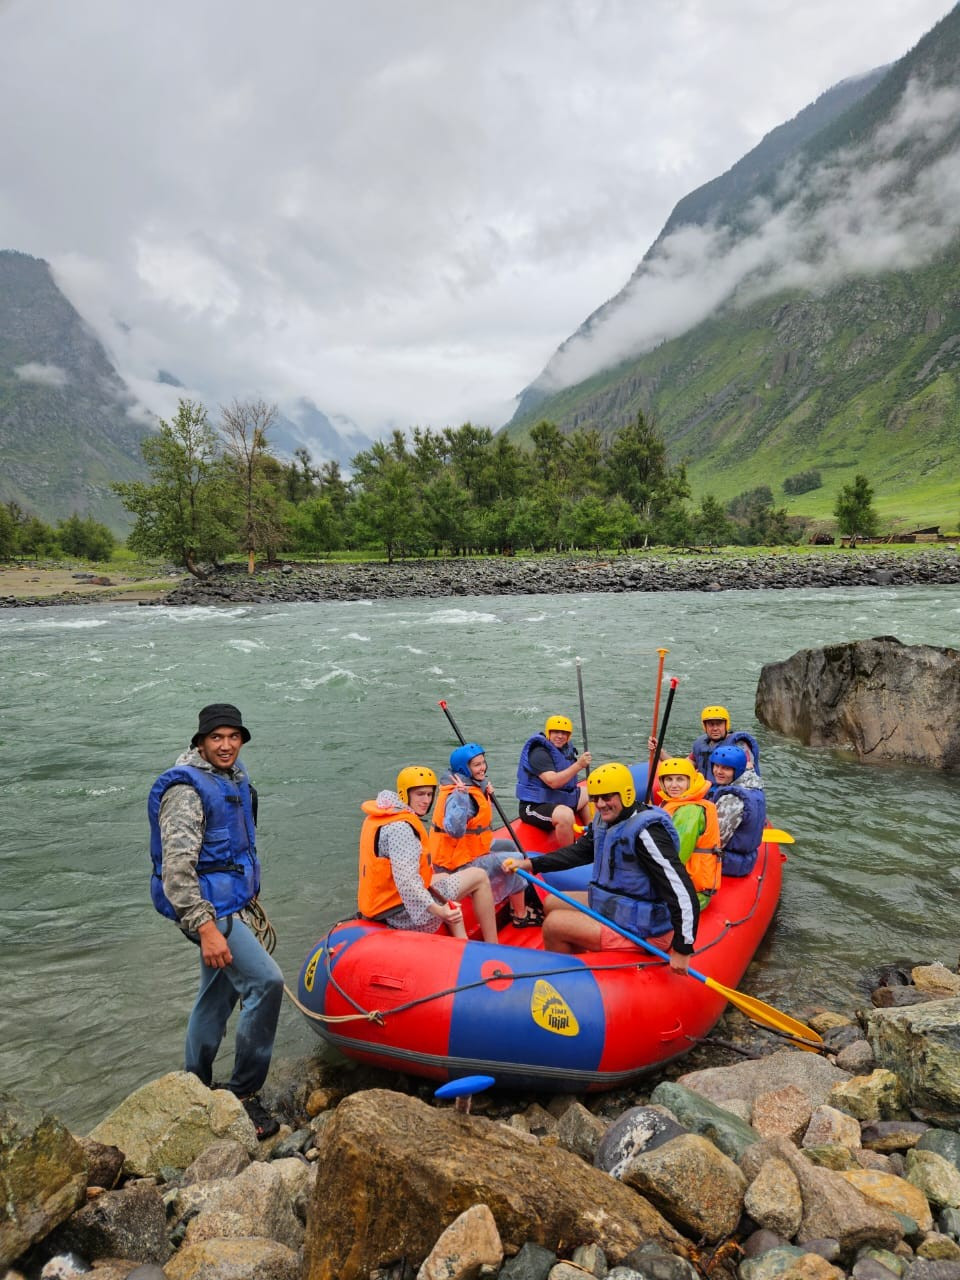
<point x="529" y="920"/>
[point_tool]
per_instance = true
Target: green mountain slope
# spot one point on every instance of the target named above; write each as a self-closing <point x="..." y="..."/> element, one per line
<point x="857" y="374"/>
<point x="66" y="431"/>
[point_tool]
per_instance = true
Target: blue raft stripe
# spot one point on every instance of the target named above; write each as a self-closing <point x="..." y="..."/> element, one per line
<point x="557" y="1022"/>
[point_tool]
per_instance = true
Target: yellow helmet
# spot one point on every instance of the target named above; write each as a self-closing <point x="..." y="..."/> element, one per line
<point x="560" y="724"/>
<point x="612" y="777"/>
<point x="676" y="765"/>
<point x="716" y="713"/>
<point x="414" y="775"/>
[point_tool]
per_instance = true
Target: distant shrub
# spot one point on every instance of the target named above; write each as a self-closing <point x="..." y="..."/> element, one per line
<point x="803" y="482"/>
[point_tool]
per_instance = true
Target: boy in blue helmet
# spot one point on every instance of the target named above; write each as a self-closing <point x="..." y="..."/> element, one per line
<point x="462" y="831"/>
<point x="738" y="795"/>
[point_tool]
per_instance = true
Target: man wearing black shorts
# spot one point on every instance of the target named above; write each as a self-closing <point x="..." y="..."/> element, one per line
<point x="547" y="788"/>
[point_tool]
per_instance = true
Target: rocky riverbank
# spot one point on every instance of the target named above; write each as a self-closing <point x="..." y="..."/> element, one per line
<point x="785" y="1165"/>
<point x="520" y="576"/>
<point x="505" y="575"/>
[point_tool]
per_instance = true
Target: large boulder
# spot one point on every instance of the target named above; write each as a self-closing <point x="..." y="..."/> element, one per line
<point x="394" y="1173"/>
<point x="169" y="1122"/>
<point x="921" y="1045"/>
<point x="43" y="1176"/>
<point x="880" y="698"/>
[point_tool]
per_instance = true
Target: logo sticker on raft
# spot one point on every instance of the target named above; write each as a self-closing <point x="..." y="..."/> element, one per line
<point x="551" y="1012"/>
<point x="310" y="972"/>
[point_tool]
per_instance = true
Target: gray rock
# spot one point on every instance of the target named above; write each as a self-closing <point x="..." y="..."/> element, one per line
<point x="813" y="1075"/>
<point x="653" y="1263"/>
<point x="825" y="1247"/>
<point x="259" y="1195"/>
<point x="699" y="1115"/>
<point x="532" y="1262"/>
<point x="773" y="1263"/>
<point x="937" y="1177"/>
<point x="762" y="1241"/>
<point x="925" y="1269"/>
<point x="880" y="698"/>
<point x="948" y="1220"/>
<point x="223" y="1159"/>
<point x="639" y="1129"/>
<point x="580" y="1131"/>
<point x="43" y="1176"/>
<point x="103" y="1163"/>
<point x="170" y="1121"/>
<point x="921" y="1045"/>
<point x="590" y="1258"/>
<point x="856" y="1057"/>
<point x="945" y="1142"/>
<point x="129" y="1223"/>
<point x="868" y="1268"/>
<point x="832" y="1207"/>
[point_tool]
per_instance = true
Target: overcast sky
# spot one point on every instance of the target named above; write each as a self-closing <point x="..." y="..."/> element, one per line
<point x="397" y="208"/>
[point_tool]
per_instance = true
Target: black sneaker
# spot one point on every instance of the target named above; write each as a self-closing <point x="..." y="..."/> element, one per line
<point x="265" y="1124"/>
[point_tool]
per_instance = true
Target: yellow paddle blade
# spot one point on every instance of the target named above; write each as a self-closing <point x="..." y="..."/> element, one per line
<point x="776" y="836"/>
<point x="804" y="1037"/>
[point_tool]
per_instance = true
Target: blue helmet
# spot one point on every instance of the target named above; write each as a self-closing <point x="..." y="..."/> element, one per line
<point x="460" y="759"/>
<point x="734" y="758"/>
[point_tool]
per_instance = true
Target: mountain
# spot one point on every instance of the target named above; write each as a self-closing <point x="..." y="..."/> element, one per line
<point x="304" y="426"/>
<point x="69" y="426"/>
<point x="802" y="310"/>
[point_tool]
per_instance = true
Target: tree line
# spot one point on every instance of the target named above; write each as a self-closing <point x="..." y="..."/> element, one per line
<point x="214" y="492"/>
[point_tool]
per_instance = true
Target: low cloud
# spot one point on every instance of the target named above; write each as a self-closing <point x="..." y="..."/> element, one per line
<point x="891" y="204"/>
<point x="45" y="375"/>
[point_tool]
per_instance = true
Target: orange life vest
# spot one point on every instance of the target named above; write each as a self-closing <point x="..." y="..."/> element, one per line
<point x="376" y="892"/>
<point x="446" y="851"/>
<point x="703" y="865"/>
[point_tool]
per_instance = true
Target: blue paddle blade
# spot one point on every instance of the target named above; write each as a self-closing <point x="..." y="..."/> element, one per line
<point x="464" y="1086"/>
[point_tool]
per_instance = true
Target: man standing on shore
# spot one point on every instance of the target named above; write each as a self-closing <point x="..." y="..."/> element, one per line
<point x="206" y="876"/>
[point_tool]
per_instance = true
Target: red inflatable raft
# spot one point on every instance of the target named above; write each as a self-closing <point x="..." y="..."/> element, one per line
<point x="439" y="1007"/>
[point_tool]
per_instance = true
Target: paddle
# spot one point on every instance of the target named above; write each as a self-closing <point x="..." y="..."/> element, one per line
<point x="583" y="713"/>
<point x="656" y="706"/>
<point x="652" y="767"/>
<point x="777" y="836"/>
<point x="801" y="1035"/>
<point x="496" y="803"/>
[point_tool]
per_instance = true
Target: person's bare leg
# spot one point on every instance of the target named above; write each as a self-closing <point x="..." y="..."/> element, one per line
<point x="477" y="884"/>
<point x="550" y="903"/>
<point x="562" y="819"/>
<point x="568" y="931"/>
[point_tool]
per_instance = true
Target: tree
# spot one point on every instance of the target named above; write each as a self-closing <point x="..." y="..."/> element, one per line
<point x="85" y="538"/>
<point x="388" y="506"/>
<point x="8" y="533"/>
<point x="245" y="424"/>
<point x="802" y="482"/>
<point x="185" y="513"/>
<point x="854" y="510"/>
<point x="710" y="523"/>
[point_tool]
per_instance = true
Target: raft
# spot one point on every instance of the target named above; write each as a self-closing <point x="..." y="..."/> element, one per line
<point x="440" y="1007"/>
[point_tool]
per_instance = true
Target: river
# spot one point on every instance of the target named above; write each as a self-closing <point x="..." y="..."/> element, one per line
<point x="98" y="700"/>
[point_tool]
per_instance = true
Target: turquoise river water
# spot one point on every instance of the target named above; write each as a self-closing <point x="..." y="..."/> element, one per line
<point x="96" y="701"/>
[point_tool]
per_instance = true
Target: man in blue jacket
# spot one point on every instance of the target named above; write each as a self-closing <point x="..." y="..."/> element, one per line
<point x="206" y="876"/>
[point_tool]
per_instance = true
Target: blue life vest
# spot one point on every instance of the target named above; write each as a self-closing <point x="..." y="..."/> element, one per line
<point x="532" y="789"/>
<point x="620" y="889"/>
<point x="228" y="868"/>
<point x="740" y="852"/>
<point x="703" y="748"/>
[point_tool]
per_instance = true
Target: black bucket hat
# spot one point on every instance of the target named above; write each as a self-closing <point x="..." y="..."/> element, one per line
<point x="216" y="716"/>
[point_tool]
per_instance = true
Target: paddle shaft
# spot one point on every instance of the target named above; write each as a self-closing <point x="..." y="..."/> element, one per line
<point x="583" y="713"/>
<point x="496" y="803"/>
<point x="765" y="1014"/>
<point x="656" y="705"/>
<point x="652" y="767"/>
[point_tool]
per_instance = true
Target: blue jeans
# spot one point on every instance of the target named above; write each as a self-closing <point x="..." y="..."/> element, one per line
<point x="252" y="977"/>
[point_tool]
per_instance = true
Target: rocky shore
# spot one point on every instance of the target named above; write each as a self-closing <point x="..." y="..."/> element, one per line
<point x="516" y="575"/>
<point x="520" y="575"/>
<point x="788" y="1165"/>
